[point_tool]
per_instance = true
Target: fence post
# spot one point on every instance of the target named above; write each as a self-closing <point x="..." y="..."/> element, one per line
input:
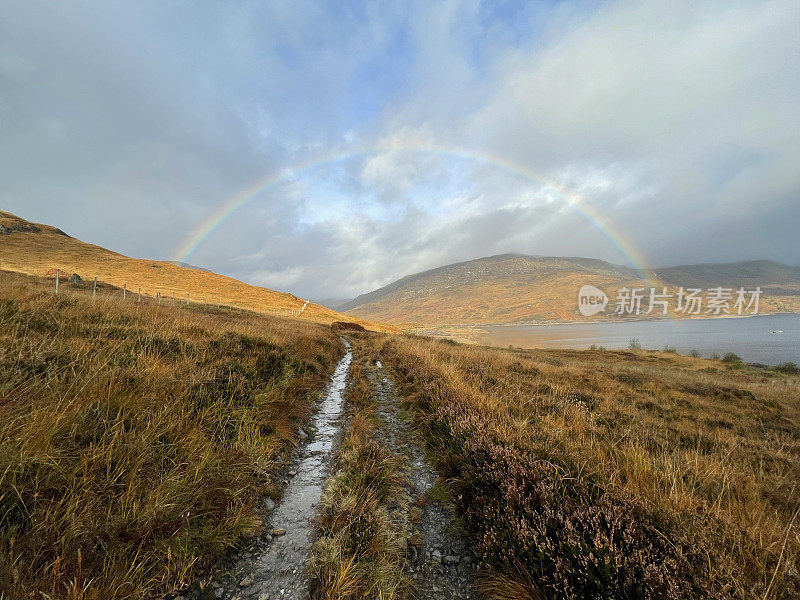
<point x="94" y="289"/>
<point x="173" y="297"/>
<point x="58" y="274"/>
<point x="124" y="290"/>
<point x="158" y="297"/>
<point x="187" y="298"/>
<point x="139" y="300"/>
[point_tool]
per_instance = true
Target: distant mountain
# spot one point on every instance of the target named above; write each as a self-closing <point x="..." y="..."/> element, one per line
<point x="331" y="303"/>
<point x="519" y="288"/>
<point x="188" y="266"/>
<point x="37" y="249"/>
<point x="773" y="277"/>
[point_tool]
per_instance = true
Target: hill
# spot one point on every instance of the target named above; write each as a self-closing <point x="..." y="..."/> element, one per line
<point x="518" y="288"/>
<point x="37" y="249"/>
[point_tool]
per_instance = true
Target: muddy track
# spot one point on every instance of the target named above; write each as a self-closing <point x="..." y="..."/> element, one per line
<point x="441" y="564"/>
<point x="273" y="566"/>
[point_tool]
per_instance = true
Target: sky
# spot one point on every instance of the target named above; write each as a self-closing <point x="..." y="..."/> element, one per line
<point x="329" y="148"/>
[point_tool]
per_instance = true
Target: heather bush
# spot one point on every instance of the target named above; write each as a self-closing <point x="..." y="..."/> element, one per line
<point x="574" y="538"/>
<point x="624" y="494"/>
<point x="730" y="357"/>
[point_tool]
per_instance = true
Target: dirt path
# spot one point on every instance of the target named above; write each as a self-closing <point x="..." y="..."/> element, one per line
<point x="441" y="564"/>
<point x="272" y="567"/>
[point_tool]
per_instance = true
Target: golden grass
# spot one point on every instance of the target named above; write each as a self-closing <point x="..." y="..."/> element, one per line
<point x="614" y="474"/>
<point x="37" y="249"/>
<point x="135" y="438"/>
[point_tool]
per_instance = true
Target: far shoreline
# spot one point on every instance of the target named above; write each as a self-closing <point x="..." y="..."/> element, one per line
<point x="478" y="326"/>
<point x="646" y="320"/>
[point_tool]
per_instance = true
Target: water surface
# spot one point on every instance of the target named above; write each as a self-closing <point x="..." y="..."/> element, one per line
<point x="751" y="338"/>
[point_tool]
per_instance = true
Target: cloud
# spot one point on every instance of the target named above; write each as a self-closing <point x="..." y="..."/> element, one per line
<point x="390" y="174"/>
<point x="411" y="137"/>
<point x="695" y="97"/>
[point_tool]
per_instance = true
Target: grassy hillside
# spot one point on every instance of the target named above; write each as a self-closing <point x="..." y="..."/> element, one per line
<point x="516" y="288"/>
<point x="623" y="475"/>
<point x="135" y="439"/>
<point x="37" y="249"/>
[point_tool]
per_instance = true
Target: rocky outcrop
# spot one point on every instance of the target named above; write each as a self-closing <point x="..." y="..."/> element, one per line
<point x="346" y="326"/>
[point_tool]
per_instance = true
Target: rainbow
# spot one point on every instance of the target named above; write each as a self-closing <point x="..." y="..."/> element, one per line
<point x="232" y="204"/>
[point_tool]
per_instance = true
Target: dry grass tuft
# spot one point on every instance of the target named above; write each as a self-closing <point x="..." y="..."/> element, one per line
<point x="520" y="586"/>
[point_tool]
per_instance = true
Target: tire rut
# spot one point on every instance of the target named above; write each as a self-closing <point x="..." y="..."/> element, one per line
<point x="441" y="564"/>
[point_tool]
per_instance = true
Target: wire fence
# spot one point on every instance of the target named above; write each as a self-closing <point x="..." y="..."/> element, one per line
<point x="168" y="297"/>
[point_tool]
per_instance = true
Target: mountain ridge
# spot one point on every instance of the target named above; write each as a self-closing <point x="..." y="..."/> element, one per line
<point x="515" y="287"/>
<point x="360" y="299"/>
